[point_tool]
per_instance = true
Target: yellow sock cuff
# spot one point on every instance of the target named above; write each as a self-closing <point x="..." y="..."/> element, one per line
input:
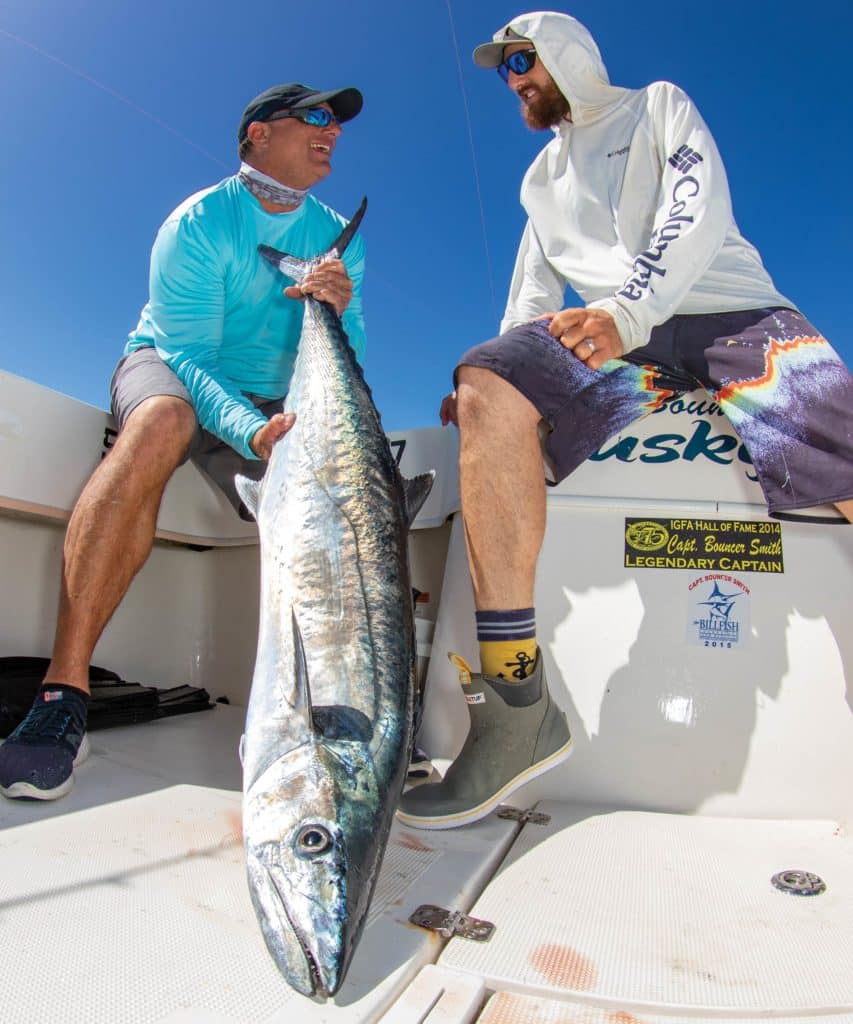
<point x="512" y="659"/>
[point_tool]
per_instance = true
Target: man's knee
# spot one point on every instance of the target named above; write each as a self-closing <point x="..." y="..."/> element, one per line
<point x="482" y="394"/>
<point x="161" y="427"/>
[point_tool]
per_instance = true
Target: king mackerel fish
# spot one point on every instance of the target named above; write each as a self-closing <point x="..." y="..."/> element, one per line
<point x="329" y="724"/>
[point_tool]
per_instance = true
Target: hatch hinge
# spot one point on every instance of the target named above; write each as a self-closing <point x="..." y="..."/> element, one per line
<point x="450" y="923"/>
<point x="525" y="817"/>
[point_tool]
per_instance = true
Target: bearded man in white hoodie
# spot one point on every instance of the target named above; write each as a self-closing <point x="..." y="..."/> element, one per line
<point x="628" y="204"/>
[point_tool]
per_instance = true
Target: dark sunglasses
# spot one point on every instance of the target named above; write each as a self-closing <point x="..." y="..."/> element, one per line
<point x="317" y="117"/>
<point x="519" y="63"/>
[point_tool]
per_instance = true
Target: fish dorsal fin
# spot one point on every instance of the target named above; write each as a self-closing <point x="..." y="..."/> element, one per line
<point x="296" y="266"/>
<point x="250" y="492"/>
<point x="416" y="491"/>
<point x="301" y="689"/>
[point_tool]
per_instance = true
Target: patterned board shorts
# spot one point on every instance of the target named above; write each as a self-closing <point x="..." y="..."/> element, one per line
<point x="782" y="386"/>
<point x="142" y="374"/>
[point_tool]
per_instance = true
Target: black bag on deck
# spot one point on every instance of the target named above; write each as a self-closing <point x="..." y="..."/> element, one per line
<point x="113" y="701"/>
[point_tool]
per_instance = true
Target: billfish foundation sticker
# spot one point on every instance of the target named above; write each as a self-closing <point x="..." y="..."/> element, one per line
<point x="710" y="545"/>
<point x="718" y="614"/>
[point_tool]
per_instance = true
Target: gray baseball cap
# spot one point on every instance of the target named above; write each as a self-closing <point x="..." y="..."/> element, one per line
<point x="490" y="55"/>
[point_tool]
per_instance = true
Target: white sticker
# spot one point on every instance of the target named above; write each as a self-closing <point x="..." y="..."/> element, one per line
<point x="718" y="612"/>
<point x="475" y="698"/>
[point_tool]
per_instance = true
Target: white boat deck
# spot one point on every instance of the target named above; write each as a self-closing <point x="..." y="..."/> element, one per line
<point x="699" y="771"/>
<point x="669" y="914"/>
<point x="127" y="902"/>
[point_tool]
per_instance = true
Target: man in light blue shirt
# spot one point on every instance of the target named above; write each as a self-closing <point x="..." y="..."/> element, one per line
<point x="203" y="376"/>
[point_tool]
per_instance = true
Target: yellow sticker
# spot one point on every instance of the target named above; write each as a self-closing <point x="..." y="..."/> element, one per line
<point x="645" y="534"/>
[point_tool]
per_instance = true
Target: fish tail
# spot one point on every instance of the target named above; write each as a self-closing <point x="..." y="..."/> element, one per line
<point x="297" y="267"/>
<point x="345" y="237"/>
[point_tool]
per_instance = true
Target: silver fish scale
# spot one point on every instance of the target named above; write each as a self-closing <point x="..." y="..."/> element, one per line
<point x="343" y="571"/>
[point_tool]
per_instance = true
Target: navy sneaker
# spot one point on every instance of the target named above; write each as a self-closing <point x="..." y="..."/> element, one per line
<point x="37" y="761"/>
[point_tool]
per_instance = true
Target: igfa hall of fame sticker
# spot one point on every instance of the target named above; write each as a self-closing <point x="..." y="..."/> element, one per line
<point x="718" y="612"/>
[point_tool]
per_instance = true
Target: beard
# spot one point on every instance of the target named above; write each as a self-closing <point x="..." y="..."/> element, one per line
<point x="547" y="109"/>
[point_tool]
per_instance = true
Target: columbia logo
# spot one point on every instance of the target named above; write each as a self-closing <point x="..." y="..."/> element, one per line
<point x="684" y="158"/>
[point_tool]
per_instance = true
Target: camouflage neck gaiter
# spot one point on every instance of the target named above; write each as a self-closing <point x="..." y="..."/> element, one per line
<point x="265" y="187"/>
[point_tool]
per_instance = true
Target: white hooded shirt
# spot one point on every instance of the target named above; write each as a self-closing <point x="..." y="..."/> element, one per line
<point x="628" y="203"/>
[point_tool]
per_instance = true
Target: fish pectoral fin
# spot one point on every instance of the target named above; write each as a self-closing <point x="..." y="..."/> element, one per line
<point x="340" y="722"/>
<point x="250" y="493"/>
<point x="416" y="491"/>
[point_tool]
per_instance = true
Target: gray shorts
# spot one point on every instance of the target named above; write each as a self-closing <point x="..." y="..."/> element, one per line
<point x="782" y="386"/>
<point x="142" y="374"/>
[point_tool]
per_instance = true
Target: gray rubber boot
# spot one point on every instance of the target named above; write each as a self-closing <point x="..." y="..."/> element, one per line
<point x="517" y="733"/>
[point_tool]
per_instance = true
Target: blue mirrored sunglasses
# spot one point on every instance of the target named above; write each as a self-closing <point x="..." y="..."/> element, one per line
<point x="519" y="63"/>
<point x="317" y="117"/>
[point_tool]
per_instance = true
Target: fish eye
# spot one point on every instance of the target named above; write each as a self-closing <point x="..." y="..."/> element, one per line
<point x="312" y="840"/>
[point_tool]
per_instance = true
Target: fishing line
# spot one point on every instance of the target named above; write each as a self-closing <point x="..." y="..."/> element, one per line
<point x="474" y="163"/>
<point x="111" y="92"/>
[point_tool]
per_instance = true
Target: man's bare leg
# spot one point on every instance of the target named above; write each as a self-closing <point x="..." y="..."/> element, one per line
<point x="502" y="484"/>
<point x="516" y="731"/>
<point x="111" y="530"/>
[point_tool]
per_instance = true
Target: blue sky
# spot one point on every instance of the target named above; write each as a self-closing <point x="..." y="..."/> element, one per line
<point x="112" y="113"/>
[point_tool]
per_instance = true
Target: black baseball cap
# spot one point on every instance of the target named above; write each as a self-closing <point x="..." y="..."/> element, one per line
<point x="345" y="103"/>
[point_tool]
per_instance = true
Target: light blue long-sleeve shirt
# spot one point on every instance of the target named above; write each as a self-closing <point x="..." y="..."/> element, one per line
<point x="217" y="314"/>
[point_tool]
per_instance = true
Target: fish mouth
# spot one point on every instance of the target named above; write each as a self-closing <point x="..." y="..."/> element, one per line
<point x="320" y="986"/>
<point x="325" y="977"/>
<point x="305" y="969"/>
